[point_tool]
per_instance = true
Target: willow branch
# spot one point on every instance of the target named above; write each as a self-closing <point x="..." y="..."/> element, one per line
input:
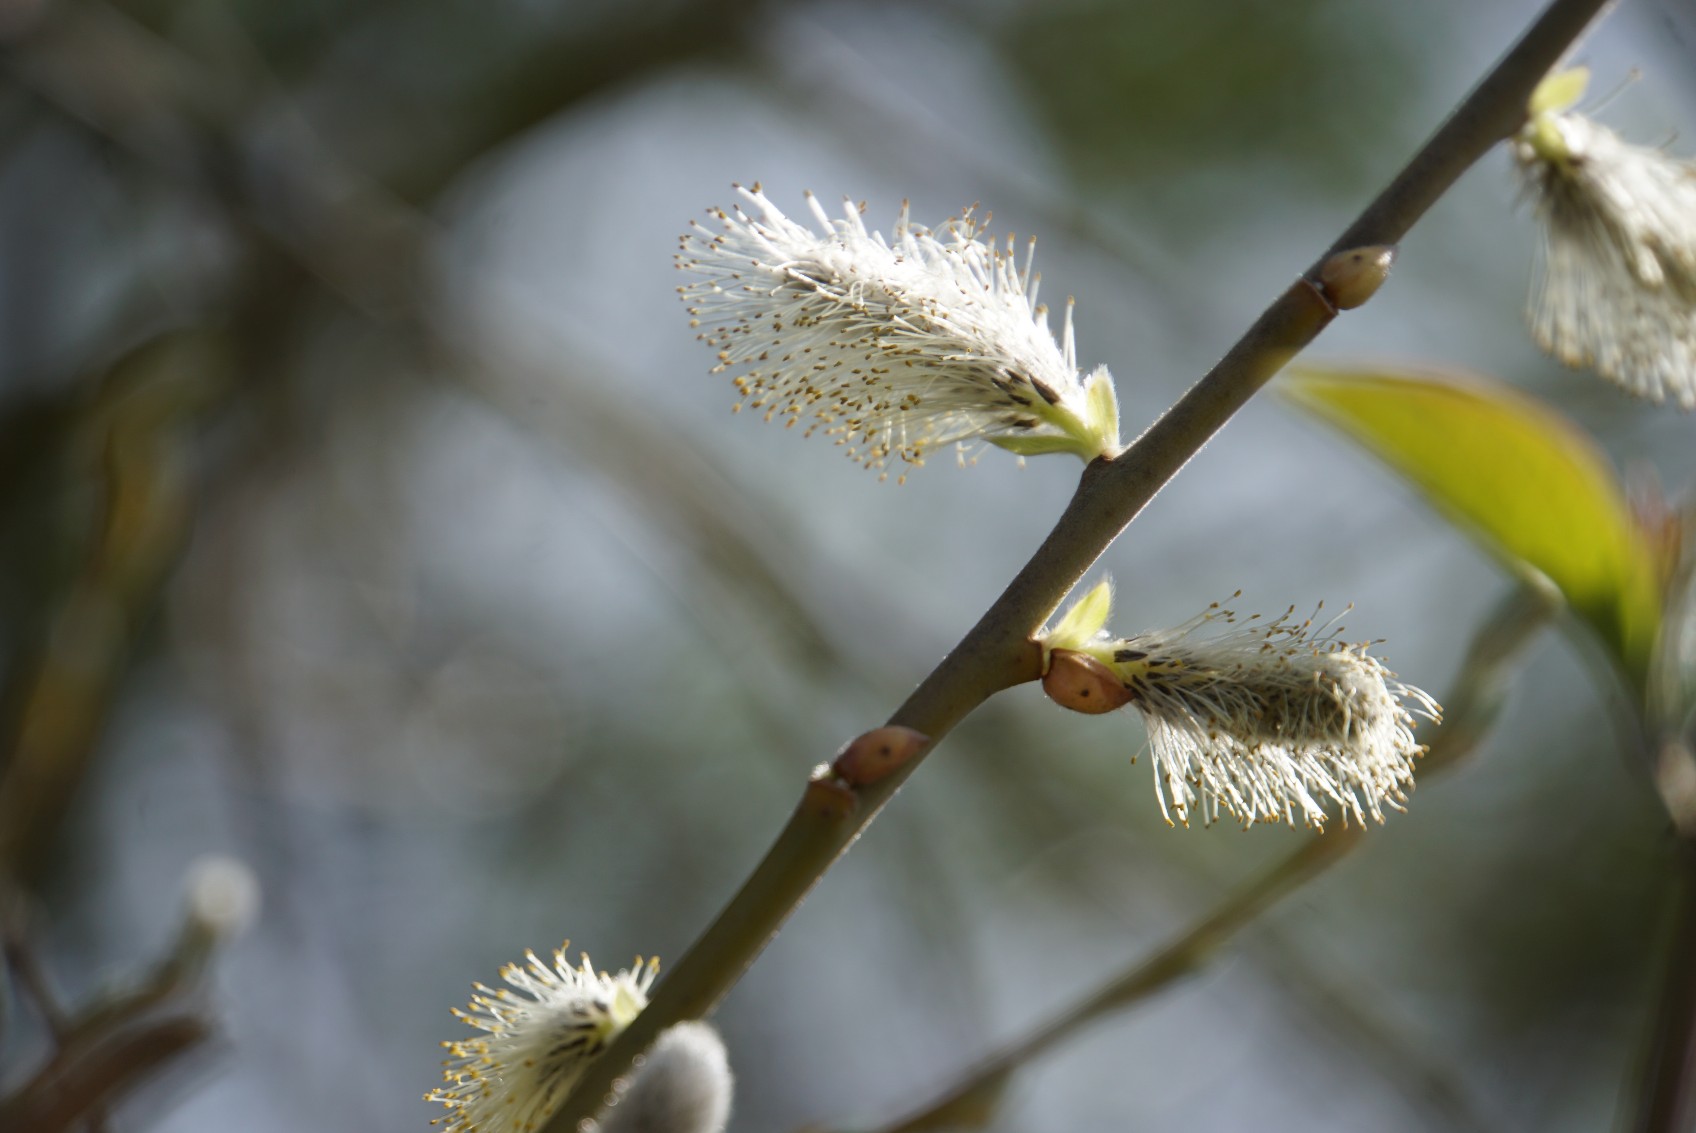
<point x="1664" y="1100"/>
<point x="997" y="653"/>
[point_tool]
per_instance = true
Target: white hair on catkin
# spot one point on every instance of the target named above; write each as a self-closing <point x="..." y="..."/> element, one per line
<point x="1265" y="720"/>
<point x="893" y="347"/>
<point x="684" y="1085"/>
<point x="1617" y="287"/>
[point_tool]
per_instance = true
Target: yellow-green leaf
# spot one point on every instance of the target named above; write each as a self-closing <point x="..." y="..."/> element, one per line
<point x="1559" y="91"/>
<point x="1510" y="470"/>
<point x="1087" y="617"/>
<point x="1039" y="444"/>
<point x="1102" y="409"/>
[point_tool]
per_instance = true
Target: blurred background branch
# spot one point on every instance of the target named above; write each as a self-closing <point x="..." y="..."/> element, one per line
<point x="123" y="1036"/>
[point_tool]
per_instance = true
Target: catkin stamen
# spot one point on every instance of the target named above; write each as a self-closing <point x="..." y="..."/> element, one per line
<point x="893" y="348"/>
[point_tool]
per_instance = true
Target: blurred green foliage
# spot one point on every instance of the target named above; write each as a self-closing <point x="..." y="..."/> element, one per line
<point x="1147" y="98"/>
<point x="1527" y="482"/>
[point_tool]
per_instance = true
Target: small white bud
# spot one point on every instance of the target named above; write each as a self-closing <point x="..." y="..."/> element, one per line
<point x="683" y="1085"/>
<point x="223" y="896"/>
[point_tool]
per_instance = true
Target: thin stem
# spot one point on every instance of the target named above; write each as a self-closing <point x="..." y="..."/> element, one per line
<point x="31" y="976"/>
<point x="997" y="652"/>
<point x="1363" y="1032"/>
<point x="1663" y="1102"/>
<point x="1181" y="957"/>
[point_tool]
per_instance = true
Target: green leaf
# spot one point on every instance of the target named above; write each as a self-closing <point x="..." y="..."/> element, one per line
<point x="1102" y="411"/>
<point x="1525" y="481"/>
<point x="1087" y="617"/>
<point x="1560" y="91"/>
<point x="1039" y="444"/>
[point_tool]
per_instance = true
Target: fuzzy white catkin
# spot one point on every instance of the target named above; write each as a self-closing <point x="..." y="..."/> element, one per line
<point x="1268" y="723"/>
<point x="683" y="1086"/>
<point x="1617" y="293"/>
<point x="534" y="1039"/>
<point x="1265" y="720"/>
<point x="893" y="347"/>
